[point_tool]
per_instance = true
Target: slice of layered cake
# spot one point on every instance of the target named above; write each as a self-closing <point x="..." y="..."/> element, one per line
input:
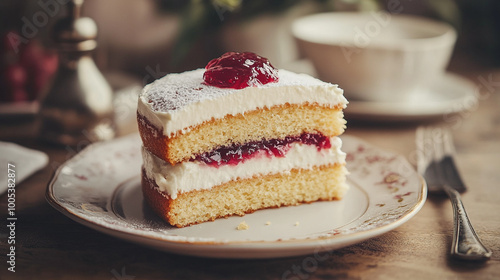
<point x="239" y="136"/>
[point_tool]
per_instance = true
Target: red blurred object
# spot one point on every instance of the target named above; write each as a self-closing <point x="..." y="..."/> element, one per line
<point x="239" y="70"/>
<point x="25" y="71"/>
<point x="19" y="95"/>
<point x="16" y="76"/>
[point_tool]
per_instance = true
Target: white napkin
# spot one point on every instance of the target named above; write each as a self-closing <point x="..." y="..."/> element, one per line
<point x="24" y="162"/>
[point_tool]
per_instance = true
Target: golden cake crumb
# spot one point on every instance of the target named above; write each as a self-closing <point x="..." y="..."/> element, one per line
<point x="243" y="226"/>
<point x="268" y="223"/>
<point x="296" y="223"/>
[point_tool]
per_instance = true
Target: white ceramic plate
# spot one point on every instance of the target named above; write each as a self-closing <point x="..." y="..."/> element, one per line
<point x="446" y="96"/>
<point x="100" y="188"/>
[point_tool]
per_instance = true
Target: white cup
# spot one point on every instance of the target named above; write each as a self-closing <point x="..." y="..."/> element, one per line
<point x="375" y="56"/>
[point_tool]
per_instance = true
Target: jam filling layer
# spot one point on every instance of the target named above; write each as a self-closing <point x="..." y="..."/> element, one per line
<point x="235" y="154"/>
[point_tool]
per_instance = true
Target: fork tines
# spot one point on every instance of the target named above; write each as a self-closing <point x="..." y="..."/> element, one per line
<point x="435" y="158"/>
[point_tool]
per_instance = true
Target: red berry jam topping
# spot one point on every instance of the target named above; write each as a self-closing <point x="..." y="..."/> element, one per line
<point x="272" y="148"/>
<point x="239" y="70"/>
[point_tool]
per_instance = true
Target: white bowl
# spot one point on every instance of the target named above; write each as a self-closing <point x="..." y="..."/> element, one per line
<point x="375" y="56"/>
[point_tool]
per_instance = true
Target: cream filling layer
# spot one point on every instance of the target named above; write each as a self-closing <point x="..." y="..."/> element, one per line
<point x="196" y="107"/>
<point x="195" y="175"/>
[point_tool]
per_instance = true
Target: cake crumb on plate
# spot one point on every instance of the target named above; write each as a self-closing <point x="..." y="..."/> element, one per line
<point x="243" y="226"/>
<point x="268" y="223"/>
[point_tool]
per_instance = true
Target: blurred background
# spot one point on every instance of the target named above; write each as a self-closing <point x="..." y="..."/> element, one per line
<point x="146" y="39"/>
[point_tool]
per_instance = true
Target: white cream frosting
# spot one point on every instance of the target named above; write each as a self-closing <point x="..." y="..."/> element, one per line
<point x="194" y="175"/>
<point x="178" y="101"/>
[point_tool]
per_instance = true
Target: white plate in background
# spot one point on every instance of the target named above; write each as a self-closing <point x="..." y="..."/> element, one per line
<point x="446" y="96"/>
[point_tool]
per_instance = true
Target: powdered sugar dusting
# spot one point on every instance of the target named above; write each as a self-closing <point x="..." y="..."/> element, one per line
<point x="178" y="102"/>
<point x="175" y="91"/>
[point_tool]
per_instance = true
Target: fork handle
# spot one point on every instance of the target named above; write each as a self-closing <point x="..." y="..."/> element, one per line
<point x="466" y="244"/>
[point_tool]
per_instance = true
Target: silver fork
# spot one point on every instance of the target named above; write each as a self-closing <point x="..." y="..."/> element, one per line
<point x="435" y="163"/>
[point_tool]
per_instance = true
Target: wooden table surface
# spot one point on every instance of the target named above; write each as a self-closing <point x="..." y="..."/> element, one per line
<point x="51" y="246"/>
